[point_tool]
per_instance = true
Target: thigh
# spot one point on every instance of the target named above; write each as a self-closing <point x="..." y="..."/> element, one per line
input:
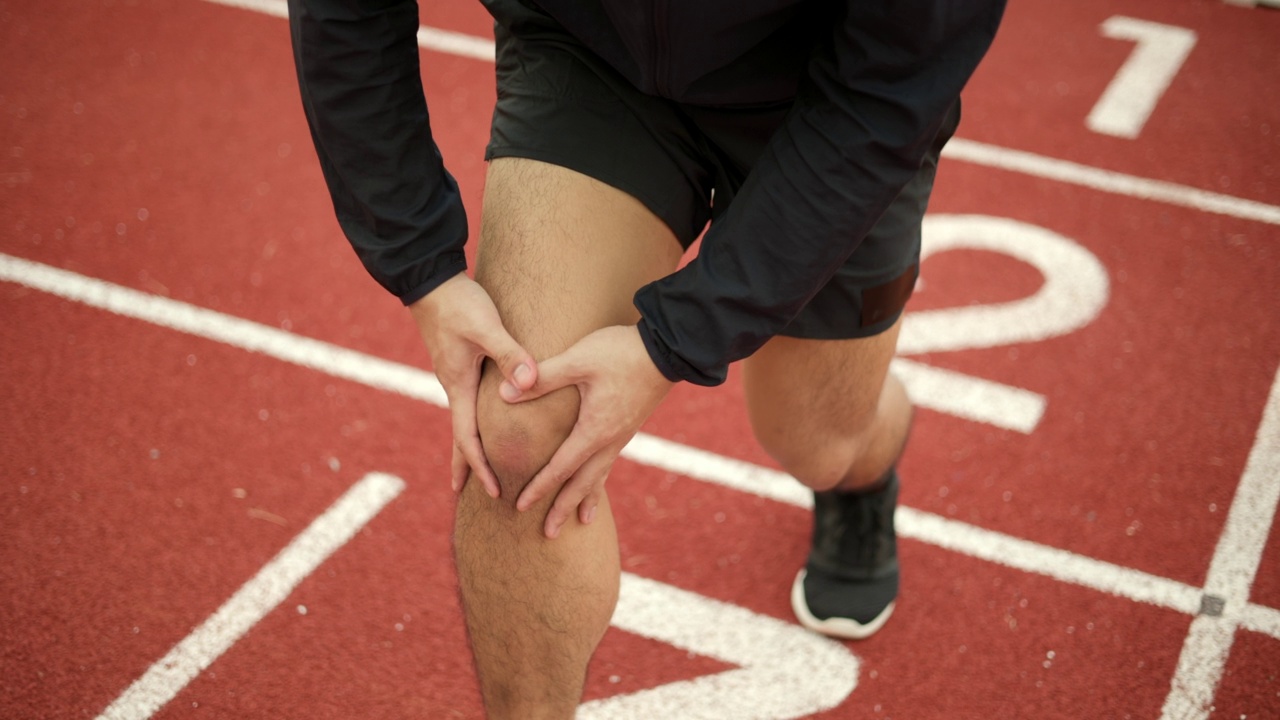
<point x="804" y="393"/>
<point x="562" y="254"/>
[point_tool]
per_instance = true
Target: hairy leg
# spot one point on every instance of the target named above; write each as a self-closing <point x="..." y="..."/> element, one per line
<point x="561" y="255"/>
<point x="828" y="410"/>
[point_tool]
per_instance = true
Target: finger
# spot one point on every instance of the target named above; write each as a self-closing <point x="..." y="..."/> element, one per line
<point x="587" y="508"/>
<point x="554" y="373"/>
<point x="459" y="469"/>
<point x="466" y="437"/>
<point x="588" y="481"/>
<point x="473" y="455"/>
<point x="570" y="456"/>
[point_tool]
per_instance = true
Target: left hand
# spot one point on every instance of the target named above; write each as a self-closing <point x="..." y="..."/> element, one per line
<point x="619" y="388"/>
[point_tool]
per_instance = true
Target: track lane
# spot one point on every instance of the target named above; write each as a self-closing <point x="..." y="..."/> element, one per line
<point x="318" y="302"/>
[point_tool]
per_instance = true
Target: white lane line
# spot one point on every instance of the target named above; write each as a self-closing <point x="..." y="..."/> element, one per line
<point x="1136" y="88"/>
<point x="709" y="467"/>
<point x="1108" y="181"/>
<point x="1235" y="561"/>
<point x="1200" y="664"/>
<point x="244" y="334"/>
<point x="455" y="43"/>
<point x="1261" y="619"/>
<point x="1232" y="572"/>
<point x="959" y="149"/>
<point x="429" y="38"/>
<point x="1052" y="562"/>
<point x="644" y="449"/>
<point x="257" y="597"/>
<point x="785" y="671"/>
<point x="274" y="8"/>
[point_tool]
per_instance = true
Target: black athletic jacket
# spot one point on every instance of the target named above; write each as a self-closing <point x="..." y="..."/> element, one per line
<point x="881" y="75"/>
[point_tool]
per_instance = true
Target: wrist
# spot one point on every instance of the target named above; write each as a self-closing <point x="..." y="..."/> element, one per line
<point x="652" y="370"/>
<point x="657" y="354"/>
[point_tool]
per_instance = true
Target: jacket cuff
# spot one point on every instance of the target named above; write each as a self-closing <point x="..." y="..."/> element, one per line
<point x="448" y="270"/>
<point x="672" y="366"/>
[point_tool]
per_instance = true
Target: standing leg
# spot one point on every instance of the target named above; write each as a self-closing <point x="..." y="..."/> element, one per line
<point x="561" y="255"/>
<point x="828" y="410"/>
<point x="830" y="413"/>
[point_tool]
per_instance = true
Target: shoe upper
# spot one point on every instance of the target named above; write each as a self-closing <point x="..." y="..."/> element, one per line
<point x="853" y="534"/>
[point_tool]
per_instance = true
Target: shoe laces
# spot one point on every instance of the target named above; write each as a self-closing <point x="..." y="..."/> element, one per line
<point x="853" y="530"/>
<point x="863" y="528"/>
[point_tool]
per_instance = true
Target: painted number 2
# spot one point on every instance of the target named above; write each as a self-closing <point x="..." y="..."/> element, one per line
<point x="1075" y="290"/>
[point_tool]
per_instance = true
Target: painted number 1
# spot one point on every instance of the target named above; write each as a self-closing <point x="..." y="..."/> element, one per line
<point x="1133" y="93"/>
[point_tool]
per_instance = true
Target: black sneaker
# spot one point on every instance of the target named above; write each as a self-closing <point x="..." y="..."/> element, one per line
<point x="848" y="587"/>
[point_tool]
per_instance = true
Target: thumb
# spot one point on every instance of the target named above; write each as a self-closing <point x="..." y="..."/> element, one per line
<point x="517" y="365"/>
<point x="553" y="374"/>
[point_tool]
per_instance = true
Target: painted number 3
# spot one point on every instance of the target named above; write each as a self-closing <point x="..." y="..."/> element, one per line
<point x="1075" y="290"/>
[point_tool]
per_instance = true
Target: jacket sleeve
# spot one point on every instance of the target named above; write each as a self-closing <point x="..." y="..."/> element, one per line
<point x="357" y="63"/>
<point x="873" y="102"/>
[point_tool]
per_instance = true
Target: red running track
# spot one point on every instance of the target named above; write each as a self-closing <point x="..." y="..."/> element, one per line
<point x="1060" y="547"/>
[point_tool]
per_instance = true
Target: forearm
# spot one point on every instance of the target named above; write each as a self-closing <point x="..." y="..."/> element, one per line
<point x="868" y="114"/>
<point x="358" y="73"/>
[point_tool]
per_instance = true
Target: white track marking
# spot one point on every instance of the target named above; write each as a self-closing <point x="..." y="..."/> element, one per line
<point x="455" y="43"/>
<point x="707" y="466"/>
<point x="1127" y="102"/>
<point x="1231" y="573"/>
<point x="1052" y="562"/>
<point x="969" y="397"/>
<point x="1209" y="640"/>
<point x="1108" y="181"/>
<point x="786" y="671"/>
<point x="1204" y="655"/>
<point x="644" y="449"/>
<point x="1235" y="562"/>
<point x="968" y="151"/>
<point x="1129" y="99"/>
<point x="1074" y="291"/>
<point x="274" y="8"/>
<point x="267" y="589"/>
<point x="1261" y="619"/>
<point x="244" y="334"/>
<point x="429" y="38"/>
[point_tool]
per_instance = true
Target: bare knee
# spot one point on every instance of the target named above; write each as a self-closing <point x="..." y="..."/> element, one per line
<point x="519" y="439"/>
<point x="856" y="458"/>
<point x="820" y="462"/>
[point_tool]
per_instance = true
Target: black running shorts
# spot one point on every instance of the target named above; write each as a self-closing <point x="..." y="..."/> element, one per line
<point x="560" y="103"/>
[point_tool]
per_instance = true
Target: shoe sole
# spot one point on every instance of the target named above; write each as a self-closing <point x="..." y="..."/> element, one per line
<point x="837" y="627"/>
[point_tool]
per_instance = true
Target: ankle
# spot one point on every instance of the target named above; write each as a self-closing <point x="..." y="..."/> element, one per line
<point x="866" y="483"/>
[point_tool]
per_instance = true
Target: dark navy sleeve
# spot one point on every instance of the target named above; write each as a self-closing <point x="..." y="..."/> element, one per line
<point x="874" y="100"/>
<point x="357" y="63"/>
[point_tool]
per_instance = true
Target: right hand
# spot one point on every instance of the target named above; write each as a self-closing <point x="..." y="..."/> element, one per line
<point x="461" y="327"/>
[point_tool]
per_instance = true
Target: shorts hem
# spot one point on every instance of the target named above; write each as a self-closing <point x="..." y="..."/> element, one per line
<point x="663" y="211"/>
<point x="803" y="328"/>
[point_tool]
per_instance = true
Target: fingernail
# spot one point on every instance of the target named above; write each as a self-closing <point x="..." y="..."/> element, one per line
<point x="522" y="373"/>
<point x="591" y="515"/>
<point x="508" y="391"/>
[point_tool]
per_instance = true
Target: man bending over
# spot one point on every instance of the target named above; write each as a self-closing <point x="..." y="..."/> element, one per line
<point x="805" y="133"/>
